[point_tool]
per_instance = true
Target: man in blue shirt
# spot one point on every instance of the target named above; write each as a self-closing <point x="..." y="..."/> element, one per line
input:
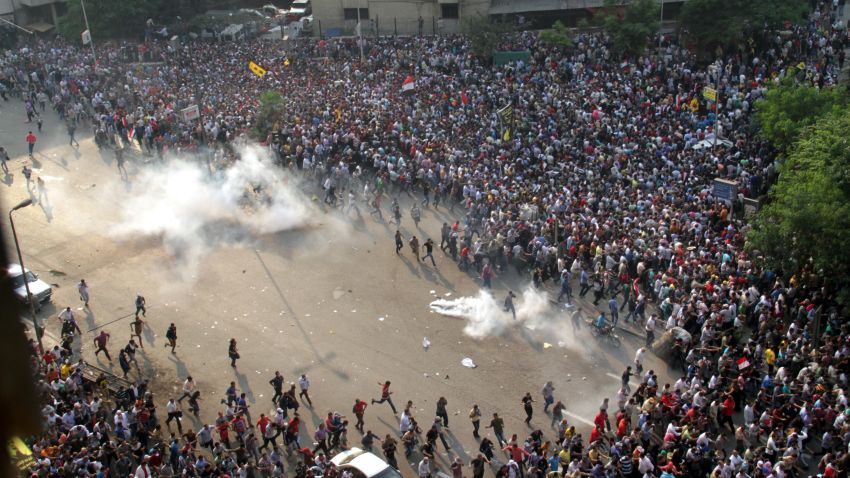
<point x="600" y="322"/>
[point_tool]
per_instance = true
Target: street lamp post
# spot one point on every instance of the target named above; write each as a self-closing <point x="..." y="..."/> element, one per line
<point x="30" y="298"/>
<point x="91" y="43"/>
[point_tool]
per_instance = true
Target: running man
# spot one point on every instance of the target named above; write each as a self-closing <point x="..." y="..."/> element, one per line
<point x="385" y="396"/>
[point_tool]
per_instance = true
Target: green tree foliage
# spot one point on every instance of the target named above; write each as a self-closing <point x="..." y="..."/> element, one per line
<point x="804" y="225"/>
<point x="271" y="109"/>
<point x="107" y="18"/>
<point x="558" y="35"/>
<point x="126" y="19"/>
<point x="640" y="21"/>
<point x="709" y="24"/>
<point x="485" y="34"/>
<point x="788" y="109"/>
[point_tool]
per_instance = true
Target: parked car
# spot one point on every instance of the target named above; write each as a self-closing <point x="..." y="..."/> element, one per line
<point x="38" y="288"/>
<point x="364" y="464"/>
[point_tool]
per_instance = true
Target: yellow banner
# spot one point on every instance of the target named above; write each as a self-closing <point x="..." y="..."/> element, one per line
<point x="709" y="94"/>
<point x="256" y="69"/>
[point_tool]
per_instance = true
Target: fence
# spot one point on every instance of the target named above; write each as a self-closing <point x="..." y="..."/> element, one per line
<point x="378" y="26"/>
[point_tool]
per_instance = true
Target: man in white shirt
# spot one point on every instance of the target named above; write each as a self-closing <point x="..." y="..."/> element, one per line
<point x="304" y="383"/>
<point x="189" y="388"/>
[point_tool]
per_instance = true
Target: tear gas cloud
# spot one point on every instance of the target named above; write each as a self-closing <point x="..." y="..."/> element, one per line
<point x="485" y="315"/>
<point x="194" y="211"/>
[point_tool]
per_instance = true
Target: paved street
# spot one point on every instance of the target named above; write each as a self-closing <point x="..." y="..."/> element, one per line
<point x="330" y="299"/>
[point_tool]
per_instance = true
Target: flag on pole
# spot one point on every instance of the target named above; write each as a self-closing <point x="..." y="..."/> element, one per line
<point x="506" y="118"/>
<point x="86" y="37"/>
<point x="408" y="85"/>
<point x="743" y="363"/>
<point x="357" y="30"/>
<point x="256" y="69"/>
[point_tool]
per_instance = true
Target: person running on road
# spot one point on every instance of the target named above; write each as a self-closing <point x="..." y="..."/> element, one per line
<point x="83" y="289"/>
<point x="526" y="405"/>
<point x="136" y="327"/>
<point x="4" y="158"/>
<point x="509" y="303"/>
<point x="277" y="385"/>
<point x="232" y="352"/>
<point x="414" y="246"/>
<point x="304" y="384"/>
<point x="416" y="215"/>
<point x="140" y="305"/>
<point x="385" y="396"/>
<point x="171" y="335"/>
<point x="100" y="344"/>
<point x="429" y="251"/>
<point x="399" y="241"/>
<point x="31" y="139"/>
<point x="359" y="411"/>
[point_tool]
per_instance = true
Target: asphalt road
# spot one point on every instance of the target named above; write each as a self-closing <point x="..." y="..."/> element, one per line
<point x="329" y="298"/>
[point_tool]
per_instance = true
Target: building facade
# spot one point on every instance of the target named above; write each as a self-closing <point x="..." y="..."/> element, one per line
<point x="427" y="17"/>
<point x="39" y="16"/>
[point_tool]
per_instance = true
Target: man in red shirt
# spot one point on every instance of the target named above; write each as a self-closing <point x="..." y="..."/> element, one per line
<point x="728" y="410"/>
<point x="385" y="396"/>
<point x="31" y="139"/>
<point x="359" y="411"/>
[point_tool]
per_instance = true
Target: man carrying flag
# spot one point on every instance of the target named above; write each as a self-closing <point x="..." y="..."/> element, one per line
<point x="506" y="117"/>
<point x="408" y="85"/>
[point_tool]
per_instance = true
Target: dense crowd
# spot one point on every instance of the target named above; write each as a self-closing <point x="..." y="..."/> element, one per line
<point x="601" y="177"/>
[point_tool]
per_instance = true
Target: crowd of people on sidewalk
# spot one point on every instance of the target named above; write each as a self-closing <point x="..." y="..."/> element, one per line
<point x="601" y="176"/>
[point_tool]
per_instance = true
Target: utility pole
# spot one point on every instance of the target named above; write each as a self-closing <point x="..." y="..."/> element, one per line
<point x="360" y="33"/>
<point x="91" y="43"/>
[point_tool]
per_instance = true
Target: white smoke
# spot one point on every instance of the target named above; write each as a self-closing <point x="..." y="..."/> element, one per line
<point x="486" y="316"/>
<point x="194" y="211"/>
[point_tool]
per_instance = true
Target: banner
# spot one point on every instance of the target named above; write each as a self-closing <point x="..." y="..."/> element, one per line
<point x="709" y="94"/>
<point x="257" y="69"/>
<point x="191" y="113"/>
<point x="86" y="37"/>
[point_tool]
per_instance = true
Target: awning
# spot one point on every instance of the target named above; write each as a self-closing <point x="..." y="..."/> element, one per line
<point x="40" y="27"/>
<point x="503" y="7"/>
<point x="443" y="2"/>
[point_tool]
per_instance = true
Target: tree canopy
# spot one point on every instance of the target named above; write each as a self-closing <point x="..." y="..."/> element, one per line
<point x="726" y="23"/>
<point x="805" y="222"/>
<point x="788" y="109"/>
<point x="640" y="21"/>
<point x="558" y="35"/>
<point x="484" y="35"/>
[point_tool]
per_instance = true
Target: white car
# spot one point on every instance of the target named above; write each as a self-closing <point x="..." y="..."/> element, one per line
<point x="364" y="464"/>
<point x="38" y="288"/>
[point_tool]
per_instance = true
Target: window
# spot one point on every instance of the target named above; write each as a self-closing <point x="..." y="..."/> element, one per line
<point x="351" y="13"/>
<point x="449" y="10"/>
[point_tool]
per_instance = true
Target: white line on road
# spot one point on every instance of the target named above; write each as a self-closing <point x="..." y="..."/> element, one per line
<point x="619" y="379"/>
<point x="578" y="418"/>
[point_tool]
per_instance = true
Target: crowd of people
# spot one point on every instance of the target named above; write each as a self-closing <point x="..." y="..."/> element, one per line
<point x="599" y="176"/>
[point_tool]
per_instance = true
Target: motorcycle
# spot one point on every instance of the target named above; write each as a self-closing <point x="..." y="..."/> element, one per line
<point x="606" y="332"/>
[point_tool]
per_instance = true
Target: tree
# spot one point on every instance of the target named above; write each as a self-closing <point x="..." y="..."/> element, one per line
<point x="558" y="35"/>
<point x="484" y="35"/>
<point x="107" y="18"/>
<point x="804" y="225"/>
<point x="788" y="109"/>
<point x="640" y="21"/>
<point x="709" y="24"/>
<point x="271" y="109"/>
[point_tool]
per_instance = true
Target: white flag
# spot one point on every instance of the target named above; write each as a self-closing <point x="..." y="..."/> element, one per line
<point x="357" y="29"/>
<point x="86" y="37"/>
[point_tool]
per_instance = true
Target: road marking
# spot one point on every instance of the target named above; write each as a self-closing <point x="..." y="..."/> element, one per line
<point x="578" y="418"/>
<point x="620" y="379"/>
